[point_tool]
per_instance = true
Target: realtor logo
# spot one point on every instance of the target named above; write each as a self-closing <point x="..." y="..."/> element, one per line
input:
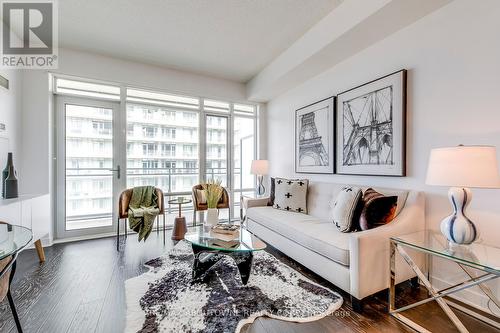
<point x="29" y="34"/>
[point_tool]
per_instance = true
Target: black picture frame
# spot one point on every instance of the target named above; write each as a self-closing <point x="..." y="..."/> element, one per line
<point x="389" y="160"/>
<point x="321" y="165"/>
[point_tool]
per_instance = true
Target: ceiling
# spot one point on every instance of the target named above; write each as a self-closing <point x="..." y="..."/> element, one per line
<point x="231" y="39"/>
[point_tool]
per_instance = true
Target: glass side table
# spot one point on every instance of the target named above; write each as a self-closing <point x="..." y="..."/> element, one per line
<point x="477" y="256"/>
<point x="13" y="239"/>
<point x="180" y="227"/>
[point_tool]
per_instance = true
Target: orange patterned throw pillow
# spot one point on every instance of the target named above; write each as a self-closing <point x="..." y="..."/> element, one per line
<point x="378" y="209"/>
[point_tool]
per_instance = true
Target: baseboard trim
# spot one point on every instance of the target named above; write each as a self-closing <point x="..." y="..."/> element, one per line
<point x="463" y="302"/>
<point x="473" y="311"/>
<point x="103" y="235"/>
<point x="81" y="238"/>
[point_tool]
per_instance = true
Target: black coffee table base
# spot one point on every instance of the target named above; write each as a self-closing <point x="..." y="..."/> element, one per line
<point x="204" y="259"/>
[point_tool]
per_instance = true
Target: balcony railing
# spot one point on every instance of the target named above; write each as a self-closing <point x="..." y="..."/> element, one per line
<point x="166" y="186"/>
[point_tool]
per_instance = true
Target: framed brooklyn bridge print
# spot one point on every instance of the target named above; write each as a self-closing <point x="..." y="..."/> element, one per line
<point x="314" y="137"/>
<point x="371" y="128"/>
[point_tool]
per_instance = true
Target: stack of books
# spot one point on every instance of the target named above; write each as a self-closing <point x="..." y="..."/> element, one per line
<point x="231" y="244"/>
<point x="225" y="232"/>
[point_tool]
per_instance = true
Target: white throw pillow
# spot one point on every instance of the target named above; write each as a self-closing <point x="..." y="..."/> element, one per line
<point x="291" y="195"/>
<point x="345" y="210"/>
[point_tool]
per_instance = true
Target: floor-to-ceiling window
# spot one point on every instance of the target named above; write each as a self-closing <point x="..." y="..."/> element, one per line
<point x="244" y="150"/>
<point x="117" y="137"/>
<point x="162" y="140"/>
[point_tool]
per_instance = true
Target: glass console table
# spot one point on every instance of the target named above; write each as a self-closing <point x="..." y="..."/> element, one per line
<point x="13" y="239"/>
<point x="477" y="256"/>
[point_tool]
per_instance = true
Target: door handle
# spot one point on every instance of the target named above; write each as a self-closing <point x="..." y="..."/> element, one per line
<point x="117" y="170"/>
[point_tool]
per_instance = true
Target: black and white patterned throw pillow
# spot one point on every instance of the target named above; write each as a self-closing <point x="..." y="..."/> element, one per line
<point x="347" y="208"/>
<point x="291" y="194"/>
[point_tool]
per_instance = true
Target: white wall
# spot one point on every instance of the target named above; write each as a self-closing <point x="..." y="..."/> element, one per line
<point x="453" y="97"/>
<point x="10" y="115"/>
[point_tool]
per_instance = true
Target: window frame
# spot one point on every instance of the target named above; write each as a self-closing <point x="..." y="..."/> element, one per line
<point x="202" y="126"/>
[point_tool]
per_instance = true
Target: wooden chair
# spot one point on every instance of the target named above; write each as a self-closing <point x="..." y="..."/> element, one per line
<point x="7" y="270"/>
<point x="198" y="206"/>
<point x="123" y="204"/>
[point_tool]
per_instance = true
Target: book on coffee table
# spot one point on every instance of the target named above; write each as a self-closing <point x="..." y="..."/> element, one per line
<point x="225" y="236"/>
<point x="229" y="229"/>
<point x="225" y="244"/>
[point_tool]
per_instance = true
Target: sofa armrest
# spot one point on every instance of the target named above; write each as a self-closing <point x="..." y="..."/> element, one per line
<point x="254" y="202"/>
<point x="369" y="250"/>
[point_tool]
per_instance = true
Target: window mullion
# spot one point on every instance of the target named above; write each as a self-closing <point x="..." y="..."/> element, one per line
<point x="202" y="142"/>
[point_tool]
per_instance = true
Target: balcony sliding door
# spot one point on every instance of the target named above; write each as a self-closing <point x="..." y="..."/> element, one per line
<point x="88" y="175"/>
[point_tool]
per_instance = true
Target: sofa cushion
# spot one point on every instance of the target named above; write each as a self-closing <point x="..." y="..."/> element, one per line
<point x="378" y="209"/>
<point x="347" y="208"/>
<point x="320" y="194"/>
<point x="318" y="235"/>
<point x="291" y="195"/>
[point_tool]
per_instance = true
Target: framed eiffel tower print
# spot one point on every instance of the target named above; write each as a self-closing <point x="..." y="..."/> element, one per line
<point x="371" y="128"/>
<point x="314" y="137"/>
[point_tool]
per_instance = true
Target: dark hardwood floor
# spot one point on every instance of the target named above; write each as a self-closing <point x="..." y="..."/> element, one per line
<point x="80" y="288"/>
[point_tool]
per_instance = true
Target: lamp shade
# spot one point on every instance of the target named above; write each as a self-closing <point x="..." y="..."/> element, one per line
<point x="259" y="167"/>
<point x="464" y="166"/>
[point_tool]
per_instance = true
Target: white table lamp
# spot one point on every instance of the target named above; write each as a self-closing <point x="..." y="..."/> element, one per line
<point x="462" y="167"/>
<point x="260" y="168"/>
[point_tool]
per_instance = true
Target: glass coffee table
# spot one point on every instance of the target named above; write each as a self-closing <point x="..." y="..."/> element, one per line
<point x="208" y="250"/>
<point x="13" y="239"/>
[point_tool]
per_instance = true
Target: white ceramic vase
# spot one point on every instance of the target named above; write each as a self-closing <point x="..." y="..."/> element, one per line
<point x="457" y="227"/>
<point x="212" y="216"/>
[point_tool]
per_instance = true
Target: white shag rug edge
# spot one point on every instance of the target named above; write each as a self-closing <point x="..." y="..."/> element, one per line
<point x="135" y="288"/>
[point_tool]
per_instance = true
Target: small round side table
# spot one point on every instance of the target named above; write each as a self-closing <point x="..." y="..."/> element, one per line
<point x="180" y="227"/>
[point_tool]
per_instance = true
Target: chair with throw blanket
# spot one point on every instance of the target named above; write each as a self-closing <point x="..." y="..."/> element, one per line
<point x="141" y="206"/>
<point x="200" y="201"/>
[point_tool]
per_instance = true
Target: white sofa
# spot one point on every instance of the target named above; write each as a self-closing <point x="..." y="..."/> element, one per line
<point x="356" y="262"/>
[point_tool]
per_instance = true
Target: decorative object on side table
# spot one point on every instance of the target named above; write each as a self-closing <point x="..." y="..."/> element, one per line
<point x="462" y="167"/>
<point x="180" y="227"/>
<point x="314" y="139"/>
<point x="213" y="193"/>
<point x="9" y="180"/>
<point x="371" y="128"/>
<point x="260" y="168"/>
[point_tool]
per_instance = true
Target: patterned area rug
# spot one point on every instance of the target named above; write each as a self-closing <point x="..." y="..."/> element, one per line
<point x="166" y="300"/>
